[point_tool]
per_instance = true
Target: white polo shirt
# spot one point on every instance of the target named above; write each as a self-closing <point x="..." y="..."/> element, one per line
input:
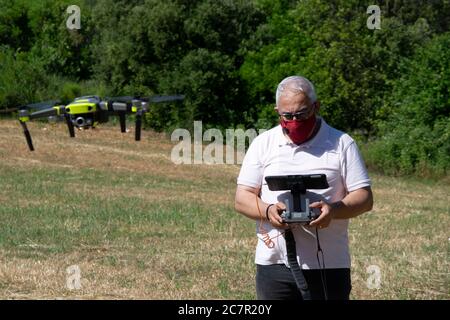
<point x="330" y="152"/>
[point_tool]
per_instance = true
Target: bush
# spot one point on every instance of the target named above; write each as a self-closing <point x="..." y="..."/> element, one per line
<point x="23" y="79"/>
<point x="415" y="138"/>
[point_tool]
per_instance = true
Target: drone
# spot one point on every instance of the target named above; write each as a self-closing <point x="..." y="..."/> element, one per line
<point x="88" y="111"/>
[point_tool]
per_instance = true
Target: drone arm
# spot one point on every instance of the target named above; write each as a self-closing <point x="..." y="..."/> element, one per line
<point x="120" y="106"/>
<point x="53" y="111"/>
<point x="25" y="116"/>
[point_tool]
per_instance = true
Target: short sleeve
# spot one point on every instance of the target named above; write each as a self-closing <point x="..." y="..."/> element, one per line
<point x="354" y="172"/>
<point x="251" y="173"/>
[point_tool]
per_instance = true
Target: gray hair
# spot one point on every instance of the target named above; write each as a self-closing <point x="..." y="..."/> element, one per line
<point x="297" y="84"/>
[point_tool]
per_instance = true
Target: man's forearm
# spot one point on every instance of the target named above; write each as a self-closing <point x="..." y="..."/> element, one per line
<point x="248" y="203"/>
<point x="353" y="204"/>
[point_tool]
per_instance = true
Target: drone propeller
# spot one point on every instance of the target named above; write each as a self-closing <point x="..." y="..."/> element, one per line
<point x="121" y="98"/>
<point x="159" y="99"/>
<point x="150" y="99"/>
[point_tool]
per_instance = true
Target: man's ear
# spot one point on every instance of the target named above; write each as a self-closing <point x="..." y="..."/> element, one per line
<point x="317" y="106"/>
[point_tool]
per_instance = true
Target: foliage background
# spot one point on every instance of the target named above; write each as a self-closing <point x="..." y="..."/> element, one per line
<point x="387" y="87"/>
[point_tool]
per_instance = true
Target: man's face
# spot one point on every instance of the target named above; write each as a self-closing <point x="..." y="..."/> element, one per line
<point x="297" y="103"/>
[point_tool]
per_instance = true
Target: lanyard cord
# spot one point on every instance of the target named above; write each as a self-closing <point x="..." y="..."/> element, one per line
<point x="266" y="237"/>
<point x="292" y="259"/>
<point x="323" y="277"/>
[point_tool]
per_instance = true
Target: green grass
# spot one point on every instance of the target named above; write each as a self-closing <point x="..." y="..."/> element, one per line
<point x="139" y="226"/>
<point x="57" y="208"/>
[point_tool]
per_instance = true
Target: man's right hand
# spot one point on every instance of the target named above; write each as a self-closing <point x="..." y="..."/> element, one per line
<point x="274" y="215"/>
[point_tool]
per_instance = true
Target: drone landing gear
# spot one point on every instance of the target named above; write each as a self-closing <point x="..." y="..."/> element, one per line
<point x="123" y="127"/>
<point x="138" y="125"/>
<point x="27" y="135"/>
<point x="70" y="125"/>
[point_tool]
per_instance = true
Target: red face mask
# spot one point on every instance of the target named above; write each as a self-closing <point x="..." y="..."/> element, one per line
<point x="298" y="130"/>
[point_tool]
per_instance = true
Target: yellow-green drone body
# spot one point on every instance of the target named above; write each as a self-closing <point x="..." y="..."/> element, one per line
<point x="89" y="111"/>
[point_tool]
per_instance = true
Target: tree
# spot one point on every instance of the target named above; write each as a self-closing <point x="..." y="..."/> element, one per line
<point x="329" y="42"/>
<point x="415" y="138"/>
<point x="187" y="47"/>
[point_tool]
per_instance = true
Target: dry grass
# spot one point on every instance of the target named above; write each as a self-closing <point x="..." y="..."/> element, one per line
<point x="140" y="227"/>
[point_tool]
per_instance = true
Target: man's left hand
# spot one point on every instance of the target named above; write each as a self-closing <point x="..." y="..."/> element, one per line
<point x="326" y="214"/>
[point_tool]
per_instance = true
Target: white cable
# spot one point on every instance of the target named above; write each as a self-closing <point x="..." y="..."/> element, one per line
<point x="309" y="232"/>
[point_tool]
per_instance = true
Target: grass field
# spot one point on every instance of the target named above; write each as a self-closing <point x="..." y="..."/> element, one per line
<point x="137" y="226"/>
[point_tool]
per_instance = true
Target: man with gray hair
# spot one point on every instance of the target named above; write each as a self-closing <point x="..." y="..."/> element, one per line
<point x="303" y="143"/>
